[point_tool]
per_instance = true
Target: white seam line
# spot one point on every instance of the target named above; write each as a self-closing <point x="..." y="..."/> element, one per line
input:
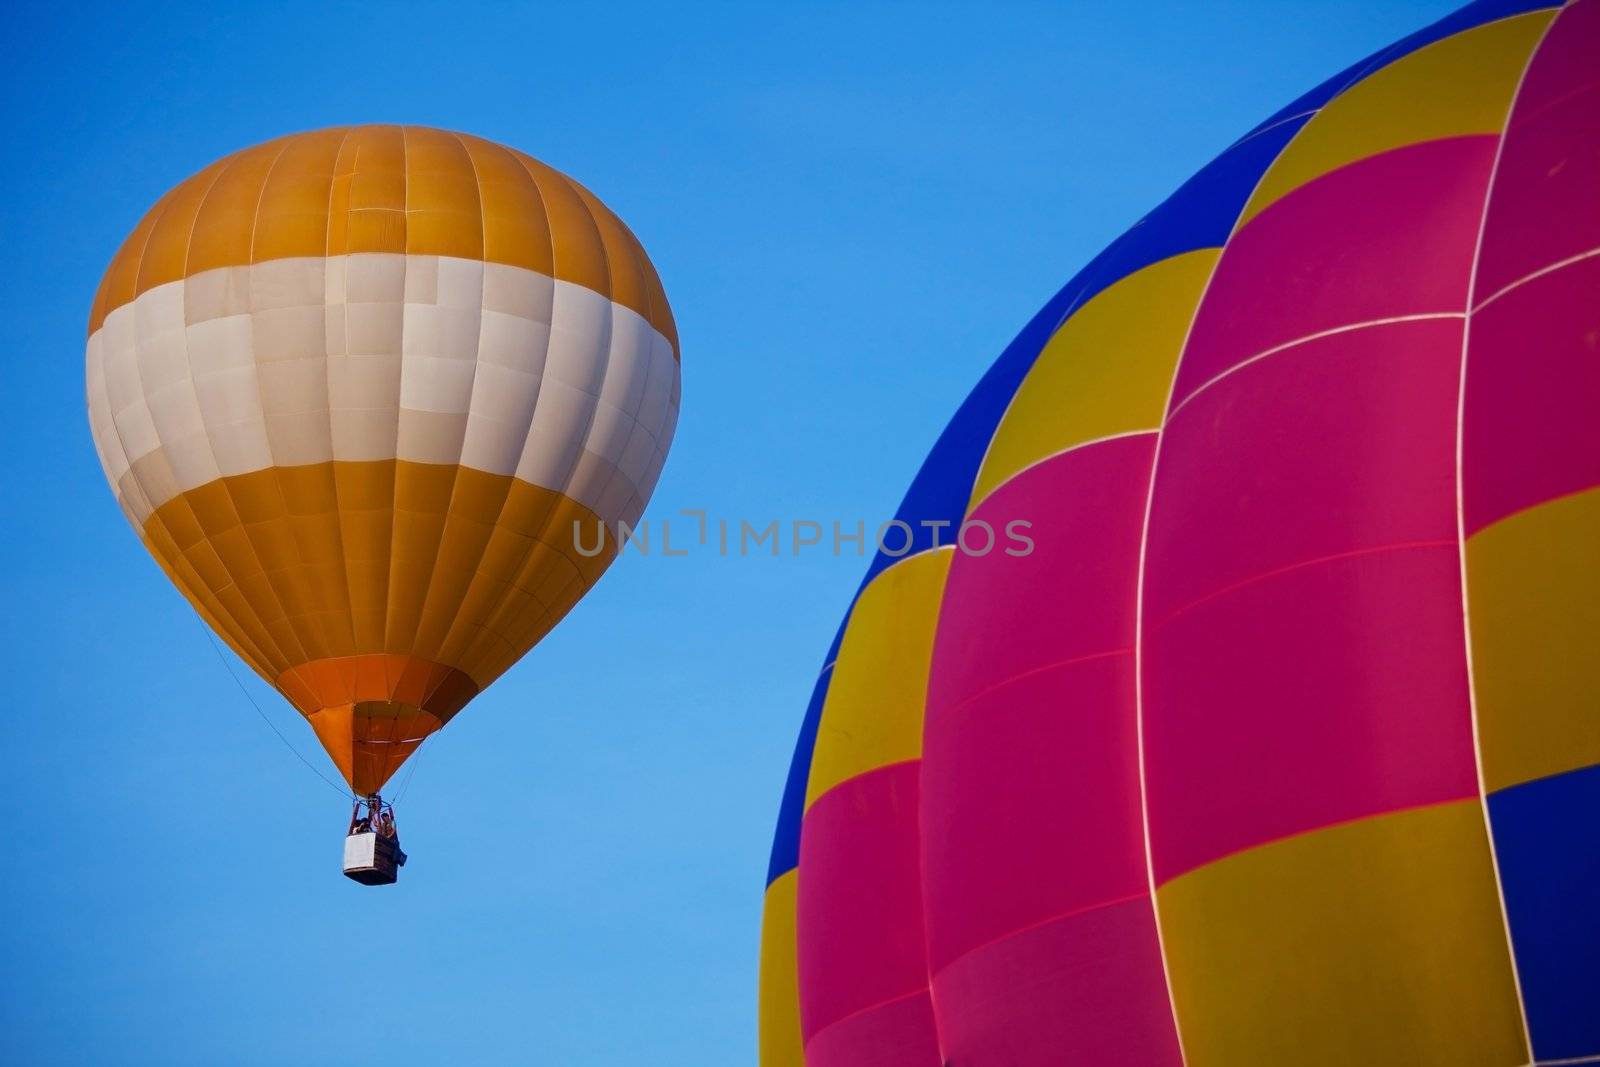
<point x="1371" y="65"/>
<point x="1269" y="127"/>
<point x="1461" y="535"/>
<point x="1138" y="694"/>
<point x="1319" y="335"/>
<point x="1138" y="597"/>
<point x="1240" y="220"/>
<point x="1138" y="641"/>
<point x="1550" y="268"/>
<point x="481" y="268"/>
<point x="905" y="558"/>
<point x="1057" y="454"/>
<point x="299" y="635"/>
<point x="389" y="576"/>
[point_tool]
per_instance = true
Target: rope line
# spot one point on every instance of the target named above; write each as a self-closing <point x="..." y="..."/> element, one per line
<point x="215" y="647"/>
<point x="411" y="771"/>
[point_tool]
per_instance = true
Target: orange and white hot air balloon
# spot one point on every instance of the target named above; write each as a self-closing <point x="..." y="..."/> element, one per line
<point x="354" y="387"/>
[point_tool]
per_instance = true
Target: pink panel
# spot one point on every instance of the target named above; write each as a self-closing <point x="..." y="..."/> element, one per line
<point x="1545" y="208"/>
<point x="1333" y="446"/>
<point x="1030" y="806"/>
<point x="1030" y="792"/>
<point x="1392" y="234"/>
<point x="1073" y="596"/>
<point x="897" y="1034"/>
<point x="1094" y="994"/>
<point x="1532" y="429"/>
<point x="859" y="907"/>
<point x="1322" y="694"/>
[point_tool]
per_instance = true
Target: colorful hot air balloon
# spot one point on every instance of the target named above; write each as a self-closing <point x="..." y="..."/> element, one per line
<point x="354" y="387"/>
<point x="1282" y="746"/>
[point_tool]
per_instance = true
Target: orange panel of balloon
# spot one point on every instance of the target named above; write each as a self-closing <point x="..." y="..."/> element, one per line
<point x="1282" y="744"/>
<point x="354" y="387"/>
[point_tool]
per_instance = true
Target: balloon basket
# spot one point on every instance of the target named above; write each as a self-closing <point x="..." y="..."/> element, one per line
<point x="371" y="859"/>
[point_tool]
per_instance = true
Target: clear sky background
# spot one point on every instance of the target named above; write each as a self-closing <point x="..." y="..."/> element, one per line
<point x="852" y="207"/>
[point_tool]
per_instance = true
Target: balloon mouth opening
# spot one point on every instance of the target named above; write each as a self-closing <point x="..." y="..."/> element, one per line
<point x="368" y="741"/>
<point x="371" y="712"/>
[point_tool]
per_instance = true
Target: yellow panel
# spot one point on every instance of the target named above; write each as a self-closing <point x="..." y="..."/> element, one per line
<point x="468" y="528"/>
<point x="166" y="253"/>
<point x="1374" y="942"/>
<point x="780" y="1041"/>
<point x="580" y="253"/>
<point x="298" y="564"/>
<point x="623" y="255"/>
<point x="196" y="583"/>
<point x="873" y="713"/>
<point x="225" y="224"/>
<point x="1107" y="370"/>
<point x="367" y="198"/>
<point x="515" y="229"/>
<point x="377" y="157"/>
<point x="315" y="579"/>
<point x="293" y="217"/>
<point x="443" y="215"/>
<point x="1533" y="591"/>
<point x="385" y="189"/>
<point x="1460" y="85"/>
<point x="324" y="567"/>
<point x="534" y="579"/>
<point x="365" y="493"/>
<point x="421" y="498"/>
<point x="119" y="285"/>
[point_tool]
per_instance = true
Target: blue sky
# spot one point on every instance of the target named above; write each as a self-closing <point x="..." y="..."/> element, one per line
<point x="852" y="208"/>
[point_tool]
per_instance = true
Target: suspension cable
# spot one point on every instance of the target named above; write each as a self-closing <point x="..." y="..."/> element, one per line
<point x="411" y="771"/>
<point x="215" y="647"/>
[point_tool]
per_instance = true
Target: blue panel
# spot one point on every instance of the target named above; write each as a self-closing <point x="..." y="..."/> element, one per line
<point x="1547" y="839"/>
<point x="786" y="838"/>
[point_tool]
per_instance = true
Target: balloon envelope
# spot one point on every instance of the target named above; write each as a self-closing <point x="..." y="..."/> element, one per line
<point x="354" y="387"/>
<point x="1280" y="744"/>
